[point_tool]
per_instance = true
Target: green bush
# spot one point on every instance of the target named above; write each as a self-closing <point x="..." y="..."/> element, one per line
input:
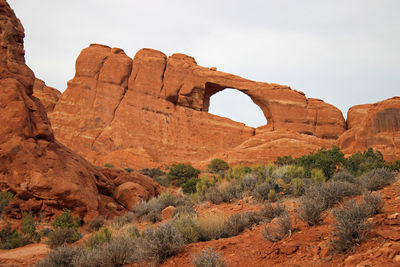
<point x="159" y="243"/>
<point x="238" y="172"/>
<point x="297" y="186"/>
<point x="181" y="173"/>
<point x="218" y="166"/>
<point x="66" y="220"/>
<point x="154" y="172"/>
<point x="376" y="179"/>
<point x="277" y="231"/>
<point x="60" y="257"/>
<point x="209" y="258"/>
<point x="5" y="198"/>
<point x="62" y="236"/>
<point x="189" y="186"/>
<point x="28" y="228"/>
<point x="318" y="176"/>
<point x="360" y="163"/>
<point x="99" y="237"/>
<point x="10" y="238"/>
<point x="96" y="223"/>
<point x="272" y="195"/>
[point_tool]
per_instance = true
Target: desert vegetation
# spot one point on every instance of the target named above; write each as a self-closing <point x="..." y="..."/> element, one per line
<point x="318" y="182"/>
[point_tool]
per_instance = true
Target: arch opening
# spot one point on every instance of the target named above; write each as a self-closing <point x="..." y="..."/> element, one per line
<point x="237" y="106"/>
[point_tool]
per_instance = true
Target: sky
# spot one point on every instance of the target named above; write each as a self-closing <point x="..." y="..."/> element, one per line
<point x="346" y="52"/>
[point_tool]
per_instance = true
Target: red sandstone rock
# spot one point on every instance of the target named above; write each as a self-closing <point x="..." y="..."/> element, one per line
<point x="155" y="112"/>
<point x="168" y="212"/>
<point x="44" y="175"/>
<point x="376" y="126"/>
<point x="128" y="194"/>
<point x="47" y="95"/>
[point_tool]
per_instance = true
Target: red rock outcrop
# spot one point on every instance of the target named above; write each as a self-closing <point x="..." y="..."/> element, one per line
<point x="152" y="111"/>
<point x="44" y="175"/>
<point x="374" y="125"/>
<point x="47" y="95"/>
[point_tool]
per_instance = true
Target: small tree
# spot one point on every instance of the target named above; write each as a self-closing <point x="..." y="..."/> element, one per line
<point x="180" y="174"/>
<point x="218" y="166"/>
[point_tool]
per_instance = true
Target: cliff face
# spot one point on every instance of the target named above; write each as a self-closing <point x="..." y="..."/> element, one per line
<point x="153" y="110"/>
<point x="44" y="175"/>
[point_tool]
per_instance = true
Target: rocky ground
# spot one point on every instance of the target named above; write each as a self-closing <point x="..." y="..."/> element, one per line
<point x="307" y="246"/>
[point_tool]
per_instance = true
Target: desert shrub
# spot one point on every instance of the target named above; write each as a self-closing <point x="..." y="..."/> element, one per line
<point x="180" y="173"/>
<point x="261" y="191"/>
<point x="66" y="220"/>
<point x="154" y="172"/>
<point x="218" y="166"/>
<point x="108" y="165"/>
<point x="190" y="185"/>
<point x="45" y="231"/>
<point x="251" y="218"/>
<point x="320" y="197"/>
<point x="372" y="204"/>
<point x="209" y="258"/>
<point x="128" y="169"/>
<point x="272" y="195"/>
<point x="278" y="229"/>
<point x="60" y="257"/>
<point x="10" y="238"/>
<point x="151" y="210"/>
<point x="28" y="228"/>
<point x="237" y="172"/>
<point x="270" y="211"/>
<point x="210" y="225"/>
<point x="292" y="172"/>
<point x="88" y="258"/>
<point x="364" y="162"/>
<point x="206" y="182"/>
<point x="351" y="227"/>
<point x="61" y="236"/>
<point x="310" y="210"/>
<point x="5" y="198"/>
<point x="96" y="223"/>
<point x="297" y="186"/>
<point x="187" y="225"/>
<point x="223" y="192"/>
<point x="186" y="209"/>
<point x="248" y="182"/>
<point x="233" y="226"/>
<point x="159" y="243"/>
<point x="280" y="172"/>
<point x="376" y="179"/>
<point x="318" y="176"/>
<point x="118" y="252"/>
<point x="236" y="223"/>
<point x="99" y="237"/>
<point x="344" y="176"/>
<point x="122" y="220"/>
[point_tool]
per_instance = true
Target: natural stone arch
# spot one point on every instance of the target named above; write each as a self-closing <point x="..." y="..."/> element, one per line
<point x="213" y="88"/>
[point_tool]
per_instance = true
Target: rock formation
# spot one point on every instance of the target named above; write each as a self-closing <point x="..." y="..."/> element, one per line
<point x="153" y="111"/>
<point x="44" y="175"/>
<point x="48" y="95"/>
<point x="374" y="125"/>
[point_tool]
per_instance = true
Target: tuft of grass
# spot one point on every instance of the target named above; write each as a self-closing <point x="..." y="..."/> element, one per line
<point x="99" y="237"/>
<point x="211" y="225"/>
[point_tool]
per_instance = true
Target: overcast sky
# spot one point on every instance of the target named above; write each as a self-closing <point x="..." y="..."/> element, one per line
<point x="346" y="52"/>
